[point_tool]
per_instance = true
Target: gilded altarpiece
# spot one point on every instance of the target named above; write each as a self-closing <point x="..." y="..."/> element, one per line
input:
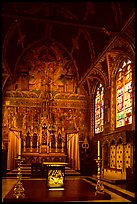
<point x="44" y="96"/>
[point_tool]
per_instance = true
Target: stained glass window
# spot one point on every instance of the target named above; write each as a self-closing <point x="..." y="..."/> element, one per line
<point x="124" y="94"/>
<point x="99" y="109"/>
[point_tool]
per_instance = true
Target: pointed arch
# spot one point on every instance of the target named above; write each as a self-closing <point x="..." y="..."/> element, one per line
<point x="124" y="94"/>
<point x="121" y="91"/>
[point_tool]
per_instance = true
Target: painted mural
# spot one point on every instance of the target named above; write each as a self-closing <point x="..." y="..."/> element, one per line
<point x="45" y="92"/>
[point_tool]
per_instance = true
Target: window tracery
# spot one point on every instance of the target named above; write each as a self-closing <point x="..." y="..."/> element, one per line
<point x="124" y="94"/>
<point x="99" y="109"/>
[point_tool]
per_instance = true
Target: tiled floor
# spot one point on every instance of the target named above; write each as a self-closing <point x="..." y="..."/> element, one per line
<point x="8" y="183"/>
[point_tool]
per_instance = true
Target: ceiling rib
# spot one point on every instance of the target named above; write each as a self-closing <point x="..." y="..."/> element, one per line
<point x="106" y="49"/>
<point x="66" y="23"/>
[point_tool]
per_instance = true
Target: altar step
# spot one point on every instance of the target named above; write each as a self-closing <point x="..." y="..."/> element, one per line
<point x="26" y="172"/>
<point x="111" y="179"/>
<point x="71" y="172"/>
<point x="121" y="189"/>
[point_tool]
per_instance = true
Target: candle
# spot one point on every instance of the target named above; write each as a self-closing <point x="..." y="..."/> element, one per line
<point x="98" y="148"/>
<point x="19" y="146"/>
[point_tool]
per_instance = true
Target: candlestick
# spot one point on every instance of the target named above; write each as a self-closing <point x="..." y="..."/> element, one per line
<point x="98" y="148"/>
<point x="99" y="186"/>
<point x="19" y="189"/>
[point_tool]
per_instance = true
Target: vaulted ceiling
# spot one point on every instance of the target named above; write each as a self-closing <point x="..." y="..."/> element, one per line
<point x="83" y="29"/>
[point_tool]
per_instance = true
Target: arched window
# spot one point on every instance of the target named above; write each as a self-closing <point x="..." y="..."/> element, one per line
<point x="99" y="109"/>
<point x="124" y="94"/>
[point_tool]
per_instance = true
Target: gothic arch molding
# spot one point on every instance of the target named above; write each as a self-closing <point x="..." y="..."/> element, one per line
<point x="121" y="56"/>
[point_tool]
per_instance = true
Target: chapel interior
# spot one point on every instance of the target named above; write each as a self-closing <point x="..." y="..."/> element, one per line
<point x="68" y="91"/>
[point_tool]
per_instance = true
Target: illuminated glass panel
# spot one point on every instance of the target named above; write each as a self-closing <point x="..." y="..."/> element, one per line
<point x="124" y="94"/>
<point x="99" y="109"/>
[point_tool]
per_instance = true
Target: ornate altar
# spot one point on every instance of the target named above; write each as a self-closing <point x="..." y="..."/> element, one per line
<point x="55" y="174"/>
<point x="50" y="145"/>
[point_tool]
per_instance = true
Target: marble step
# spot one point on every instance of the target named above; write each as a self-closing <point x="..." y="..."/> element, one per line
<point x="26" y="171"/>
<point x="122" y="191"/>
<point x="110" y="179"/>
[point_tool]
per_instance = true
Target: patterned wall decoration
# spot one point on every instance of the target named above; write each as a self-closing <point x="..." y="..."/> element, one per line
<point x="113" y="156"/>
<point x="119" y="156"/>
<point x="48" y="75"/>
<point x="128" y="155"/>
<point x="116" y="156"/>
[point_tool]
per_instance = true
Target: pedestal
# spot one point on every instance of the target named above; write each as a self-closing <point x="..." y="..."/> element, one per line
<point x="55" y="175"/>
